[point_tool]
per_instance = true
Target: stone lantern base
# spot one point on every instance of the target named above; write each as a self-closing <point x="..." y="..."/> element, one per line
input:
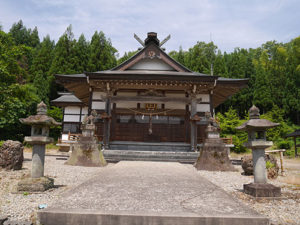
<point x="214" y="156"/>
<point x="86" y="153"/>
<point x="35" y="184"/>
<point x="262" y="190"/>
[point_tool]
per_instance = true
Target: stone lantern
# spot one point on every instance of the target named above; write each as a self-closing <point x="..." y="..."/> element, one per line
<point x="40" y="126"/>
<point x="256" y="129"/>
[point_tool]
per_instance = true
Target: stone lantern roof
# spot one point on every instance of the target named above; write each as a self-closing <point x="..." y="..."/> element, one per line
<point x="41" y="118"/>
<point x="256" y="122"/>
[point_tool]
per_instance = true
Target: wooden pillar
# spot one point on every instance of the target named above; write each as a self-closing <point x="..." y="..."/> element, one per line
<point x="106" y="127"/>
<point x="211" y="103"/>
<point x="193" y="123"/>
<point x="295" y="142"/>
<point x="63" y="121"/>
<point x="80" y="114"/>
<point x="90" y="101"/>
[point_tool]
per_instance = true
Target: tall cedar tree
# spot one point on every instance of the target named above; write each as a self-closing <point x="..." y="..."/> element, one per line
<point x="81" y="55"/>
<point x="102" y="53"/>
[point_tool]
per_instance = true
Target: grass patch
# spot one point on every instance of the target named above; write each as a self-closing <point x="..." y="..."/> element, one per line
<point x="52" y="146"/>
<point x="239" y="155"/>
<point x="269" y="165"/>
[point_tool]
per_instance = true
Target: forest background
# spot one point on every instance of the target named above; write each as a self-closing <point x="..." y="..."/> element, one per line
<point x="28" y="65"/>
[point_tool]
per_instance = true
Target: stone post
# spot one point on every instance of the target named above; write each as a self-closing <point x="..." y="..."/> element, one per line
<point x="259" y="166"/>
<point x="38" y="161"/>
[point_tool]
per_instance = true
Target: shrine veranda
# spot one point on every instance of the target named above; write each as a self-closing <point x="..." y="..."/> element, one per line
<point x="150" y="98"/>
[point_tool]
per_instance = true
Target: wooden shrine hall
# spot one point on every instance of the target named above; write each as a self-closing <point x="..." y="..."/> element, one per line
<point x="148" y="100"/>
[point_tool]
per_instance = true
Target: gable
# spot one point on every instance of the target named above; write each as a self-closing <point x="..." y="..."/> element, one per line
<point x="151" y="64"/>
<point x="151" y="58"/>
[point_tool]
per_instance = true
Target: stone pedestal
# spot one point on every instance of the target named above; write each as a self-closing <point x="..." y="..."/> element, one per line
<point x="214" y="154"/>
<point x="262" y="190"/>
<point x="87" y="151"/>
<point x="35" y="184"/>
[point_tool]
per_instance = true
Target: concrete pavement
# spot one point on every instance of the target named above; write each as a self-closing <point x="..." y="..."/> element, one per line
<point x="135" y="192"/>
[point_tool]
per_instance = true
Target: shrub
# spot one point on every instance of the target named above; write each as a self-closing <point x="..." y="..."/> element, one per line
<point x="269" y="165"/>
<point x="228" y="123"/>
<point x="283" y="144"/>
<point x="238" y="142"/>
<point x="289" y="153"/>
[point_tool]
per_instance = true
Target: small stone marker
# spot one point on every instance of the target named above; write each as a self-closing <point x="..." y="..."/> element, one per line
<point x="256" y="129"/>
<point x="40" y="125"/>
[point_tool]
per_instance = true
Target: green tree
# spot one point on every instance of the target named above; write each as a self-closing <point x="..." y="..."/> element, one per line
<point x="41" y="83"/>
<point x="262" y="96"/>
<point x="13" y="59"/>
<point x="229" y="121"/>
<point x="25" y="36"/>
<point x="57" y="114"/>
<point x="64" y="53"/>
<point x="126" y="56"/>
<point x="200" y="57"/>
<point x="16" y="101"/>
<point x="43" y="57"/>
<point x="20" y="33"/>
<point x="102" y="53"/>
<point x="81" y="54"/>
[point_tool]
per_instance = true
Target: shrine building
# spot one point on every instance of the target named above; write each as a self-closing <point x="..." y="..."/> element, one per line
<point x="146" y="101"/>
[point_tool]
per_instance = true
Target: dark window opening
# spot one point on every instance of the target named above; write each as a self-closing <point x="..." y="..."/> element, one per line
<point x="71" y="127"/>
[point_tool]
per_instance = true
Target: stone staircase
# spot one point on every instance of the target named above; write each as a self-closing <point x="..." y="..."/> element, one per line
<point x="150" y="146"/>
<point x="166" y="156"/>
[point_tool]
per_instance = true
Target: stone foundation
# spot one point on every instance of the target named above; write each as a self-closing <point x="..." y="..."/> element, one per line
<point x="262" y="190"/>
<point x="86" y="153"/>
<point x="214" y="156"/>
<point x="35" y="184"/>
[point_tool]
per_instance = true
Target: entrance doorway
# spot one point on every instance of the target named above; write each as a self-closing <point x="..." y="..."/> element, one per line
<point x="136" y="128"/>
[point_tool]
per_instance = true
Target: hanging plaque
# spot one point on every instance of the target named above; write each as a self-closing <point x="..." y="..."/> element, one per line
<point x="151" y="106"/>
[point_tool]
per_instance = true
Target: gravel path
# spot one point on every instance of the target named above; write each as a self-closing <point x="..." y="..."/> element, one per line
<point x="285" y="211"/>
<point x="22" y="206"/>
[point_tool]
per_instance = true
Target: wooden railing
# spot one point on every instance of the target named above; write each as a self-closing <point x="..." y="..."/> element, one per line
<point x="71" y="137"/>
<point x="227" y="141"/>
<point x="281" y="151"/>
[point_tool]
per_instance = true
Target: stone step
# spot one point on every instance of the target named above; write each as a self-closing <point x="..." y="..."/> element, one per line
<point x="82" y="217"/>
<point x="131" y="155"/>
<point x="144" y="146"/>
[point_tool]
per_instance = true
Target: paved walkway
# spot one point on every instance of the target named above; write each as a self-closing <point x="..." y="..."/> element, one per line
<point x="150" y="189"/>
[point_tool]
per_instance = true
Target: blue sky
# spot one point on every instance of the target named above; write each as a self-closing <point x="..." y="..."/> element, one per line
<point x="230" y="23"/>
